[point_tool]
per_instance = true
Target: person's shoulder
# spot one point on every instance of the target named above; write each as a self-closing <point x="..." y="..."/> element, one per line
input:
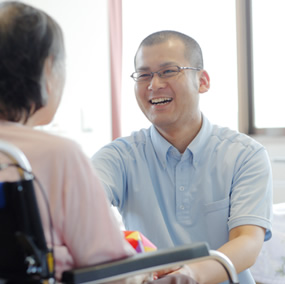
<point x="55" y="143"/>
<point x="225" y="134"/>
<point x="125" y="146"/>
<point x="136" y="138"/>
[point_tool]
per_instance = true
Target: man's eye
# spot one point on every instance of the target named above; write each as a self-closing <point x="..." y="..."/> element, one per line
<point x="144" y="75"/>
<point x="168" y="71"/>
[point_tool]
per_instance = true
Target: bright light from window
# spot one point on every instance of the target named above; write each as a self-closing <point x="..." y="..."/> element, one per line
<point x="269" y="60"/>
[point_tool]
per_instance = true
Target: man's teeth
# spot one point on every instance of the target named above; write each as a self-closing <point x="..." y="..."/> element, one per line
<point x="161" y="101"/>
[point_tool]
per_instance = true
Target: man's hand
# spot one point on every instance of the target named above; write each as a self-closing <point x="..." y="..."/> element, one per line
<point x="174" y="279"/>
<point x="162" y="273"/>
<point x="181" y="270"/>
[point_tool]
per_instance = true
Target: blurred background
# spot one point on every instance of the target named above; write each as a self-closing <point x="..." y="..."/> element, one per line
<point x="243" y="46"/>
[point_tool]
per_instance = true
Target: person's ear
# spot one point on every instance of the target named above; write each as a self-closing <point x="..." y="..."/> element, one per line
<point x="204" y="82"/>
<point x="48" y="75"/>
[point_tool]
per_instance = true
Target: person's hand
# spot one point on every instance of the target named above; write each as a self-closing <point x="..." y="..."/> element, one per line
<point x="174" y="278"/>
<point x="184" y="269"/>
<point x="137" y="279"/>
<point x="162" y="273"/>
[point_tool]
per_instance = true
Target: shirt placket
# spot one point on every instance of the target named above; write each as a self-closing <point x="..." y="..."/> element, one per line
<point x="184" y="198"/>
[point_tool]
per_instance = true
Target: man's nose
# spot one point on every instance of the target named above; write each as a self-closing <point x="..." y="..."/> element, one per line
<point x="156" y="82"/>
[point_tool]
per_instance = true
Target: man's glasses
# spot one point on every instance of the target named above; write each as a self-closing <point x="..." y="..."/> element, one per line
<point x="166" y="72"/>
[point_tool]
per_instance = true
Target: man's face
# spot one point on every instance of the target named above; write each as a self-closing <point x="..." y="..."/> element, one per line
<point x="169" y="103"/>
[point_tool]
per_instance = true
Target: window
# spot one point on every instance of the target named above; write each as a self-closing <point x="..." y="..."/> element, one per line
<point x="268" y="24"/>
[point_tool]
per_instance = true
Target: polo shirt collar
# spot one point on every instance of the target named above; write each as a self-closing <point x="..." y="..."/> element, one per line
<point x="160" y="145"/>
<point x="199" y="143"/>
<point x="197" y="146"/>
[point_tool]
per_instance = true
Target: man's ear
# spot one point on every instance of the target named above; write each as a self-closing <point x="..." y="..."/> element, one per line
<point x="204" y="82"/>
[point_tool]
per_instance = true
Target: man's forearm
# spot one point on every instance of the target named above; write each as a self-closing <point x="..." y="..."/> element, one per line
<point x="242" y="249"/>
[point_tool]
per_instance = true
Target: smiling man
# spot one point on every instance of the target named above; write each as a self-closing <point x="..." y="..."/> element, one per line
<point x="184" y="179"/>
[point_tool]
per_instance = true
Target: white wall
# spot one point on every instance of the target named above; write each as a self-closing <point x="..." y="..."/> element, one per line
<point x="85" y="112"/>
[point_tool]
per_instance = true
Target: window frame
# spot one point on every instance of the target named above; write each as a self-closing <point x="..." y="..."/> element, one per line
<point x="246" y="115"/>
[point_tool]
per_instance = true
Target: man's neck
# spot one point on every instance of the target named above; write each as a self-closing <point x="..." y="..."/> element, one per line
<point x="182" y="137"/>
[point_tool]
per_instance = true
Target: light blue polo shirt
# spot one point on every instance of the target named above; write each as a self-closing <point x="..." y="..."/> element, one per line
<point x="221" y="181"/>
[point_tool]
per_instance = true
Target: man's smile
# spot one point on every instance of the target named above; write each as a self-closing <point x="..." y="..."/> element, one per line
<point x="160" y="101"/>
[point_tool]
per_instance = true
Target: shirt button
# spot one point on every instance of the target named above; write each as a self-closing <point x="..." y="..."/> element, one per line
<point x="181" y="188"/>
<point x="181" y="207"/>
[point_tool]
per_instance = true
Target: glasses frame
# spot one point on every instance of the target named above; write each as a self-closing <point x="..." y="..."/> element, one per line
<point x="161" y="75"/>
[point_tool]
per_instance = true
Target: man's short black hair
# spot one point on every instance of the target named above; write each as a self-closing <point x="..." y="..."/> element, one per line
<point x="193" y="52"/>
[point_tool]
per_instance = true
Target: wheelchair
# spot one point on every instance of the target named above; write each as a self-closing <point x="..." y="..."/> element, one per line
<point x="26" y="258"/>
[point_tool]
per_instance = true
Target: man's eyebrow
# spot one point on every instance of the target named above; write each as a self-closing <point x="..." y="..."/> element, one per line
<point x="169" y="63"/>
<point x="143" y="68"/>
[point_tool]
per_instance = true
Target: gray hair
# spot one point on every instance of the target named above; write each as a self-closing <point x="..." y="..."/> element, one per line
<point x="28" y="36"/>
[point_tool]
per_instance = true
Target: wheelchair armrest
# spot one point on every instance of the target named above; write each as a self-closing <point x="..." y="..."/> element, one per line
<point x="137" y="264"/>
<point x="226" y="263"/>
